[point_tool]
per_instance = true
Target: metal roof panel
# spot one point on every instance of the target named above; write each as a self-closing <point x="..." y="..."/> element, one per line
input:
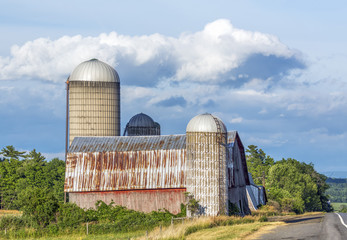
<point x="127" y="143"/>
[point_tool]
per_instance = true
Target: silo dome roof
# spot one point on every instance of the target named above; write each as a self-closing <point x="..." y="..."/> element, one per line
<point x="206" y="123"/>
<point x="94" y="70"/>
<point x="141" y="120"/>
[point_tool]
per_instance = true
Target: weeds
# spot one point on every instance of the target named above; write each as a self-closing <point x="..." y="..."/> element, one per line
<point x="71" y="219"/>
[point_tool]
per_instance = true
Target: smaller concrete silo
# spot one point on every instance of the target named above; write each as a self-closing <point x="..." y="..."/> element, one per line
<point x="206" y="140"/>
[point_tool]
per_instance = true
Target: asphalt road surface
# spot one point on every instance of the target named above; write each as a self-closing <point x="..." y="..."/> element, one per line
<point x="331" y="226"/>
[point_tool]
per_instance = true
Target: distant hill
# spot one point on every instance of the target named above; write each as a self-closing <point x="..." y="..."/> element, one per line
<point x="336" y="180"/>
<point x="337" y="190"/>
<point x="335" y="174"/>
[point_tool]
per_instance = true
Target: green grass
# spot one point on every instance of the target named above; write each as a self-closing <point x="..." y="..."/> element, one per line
<point x="120" y="236"/>
<point x="338" y="206"/>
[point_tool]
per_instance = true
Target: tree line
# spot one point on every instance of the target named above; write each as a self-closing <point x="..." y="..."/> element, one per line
<point x="290" y="185"/>
<point x="21" y="173"/>
<point x="337" y="190"/>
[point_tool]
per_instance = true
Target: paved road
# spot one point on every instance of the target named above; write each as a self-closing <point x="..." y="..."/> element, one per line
<point x="328" y="226"/>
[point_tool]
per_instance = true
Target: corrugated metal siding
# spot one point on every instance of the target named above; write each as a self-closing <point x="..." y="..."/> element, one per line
<point x="234" y="138"/>
<point x="139" y="200"/>
<point x="123" y="163"/>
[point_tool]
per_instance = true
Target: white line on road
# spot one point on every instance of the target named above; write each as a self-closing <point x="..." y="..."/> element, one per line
<point x="343" y="223"/>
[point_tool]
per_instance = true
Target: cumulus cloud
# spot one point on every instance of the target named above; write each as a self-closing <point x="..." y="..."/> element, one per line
<point x="204" y="56"/>
<point x="236" y="120"/>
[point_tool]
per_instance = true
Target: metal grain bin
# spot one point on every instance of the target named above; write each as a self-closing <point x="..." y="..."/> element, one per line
<point x="141" y="125"/>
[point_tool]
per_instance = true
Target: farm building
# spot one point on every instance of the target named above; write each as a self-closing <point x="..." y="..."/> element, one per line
<point x="144" y="170"/>
<point x="256" y="195"/>
<point x="152" y="172"/>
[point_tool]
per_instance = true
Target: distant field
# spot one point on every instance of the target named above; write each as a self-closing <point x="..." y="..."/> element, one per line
<point x="9" y="213"/>
<point x="337" y="206"/>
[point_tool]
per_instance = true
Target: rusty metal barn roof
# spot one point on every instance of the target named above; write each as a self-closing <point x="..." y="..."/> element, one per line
<point x="232" y="136"/>
<point x="127" y="143"/>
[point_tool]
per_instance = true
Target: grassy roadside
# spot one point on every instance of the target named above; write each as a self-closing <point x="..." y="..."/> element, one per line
<point x="208" y="227"/>
<point x="222" y="227"/>
<point x="338" y="206"/>
<point x="240" y="231"/>
<point x="247" y="230"/>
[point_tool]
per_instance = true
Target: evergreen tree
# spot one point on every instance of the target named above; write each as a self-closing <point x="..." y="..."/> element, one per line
<point x="258" y="164"/>
<point x="20" y="172"/>
<point x="9" y="176"/>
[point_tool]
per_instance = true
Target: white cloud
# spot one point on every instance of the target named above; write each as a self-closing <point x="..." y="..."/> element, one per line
<point x="273" y="140"/>
<point x="50" y="156"/>
<point x="236" y="120"/>
<point x="202" y="56"/>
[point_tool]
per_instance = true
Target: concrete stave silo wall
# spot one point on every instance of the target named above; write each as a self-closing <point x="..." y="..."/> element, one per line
<point x="94" y="109"/>
<point x="206" y="171"/>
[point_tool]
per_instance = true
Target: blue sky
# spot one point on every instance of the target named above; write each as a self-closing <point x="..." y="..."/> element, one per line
<point x="273" y="70"/>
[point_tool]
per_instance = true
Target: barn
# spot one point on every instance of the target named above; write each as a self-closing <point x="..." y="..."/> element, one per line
<point x="144" y="170"/>
<point x="148" y="173"/>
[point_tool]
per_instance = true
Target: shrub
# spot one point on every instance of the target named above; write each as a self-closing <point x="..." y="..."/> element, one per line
<point x="39" y="204"/>
<point x="272" y="205"/>
<point x="233" y="209"/>
<point x="13" y="222"/>
<point x="263" y="219"/>
<point x="192" y="204"/>
<point x="70" y="215"/>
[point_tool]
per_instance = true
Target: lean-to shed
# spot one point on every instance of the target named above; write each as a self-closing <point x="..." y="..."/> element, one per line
<point x="256" y="195"/>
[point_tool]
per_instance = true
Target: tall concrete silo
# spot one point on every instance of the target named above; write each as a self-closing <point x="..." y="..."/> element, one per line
<point x="206" y="164"/>
<point x="93" y="100"/>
